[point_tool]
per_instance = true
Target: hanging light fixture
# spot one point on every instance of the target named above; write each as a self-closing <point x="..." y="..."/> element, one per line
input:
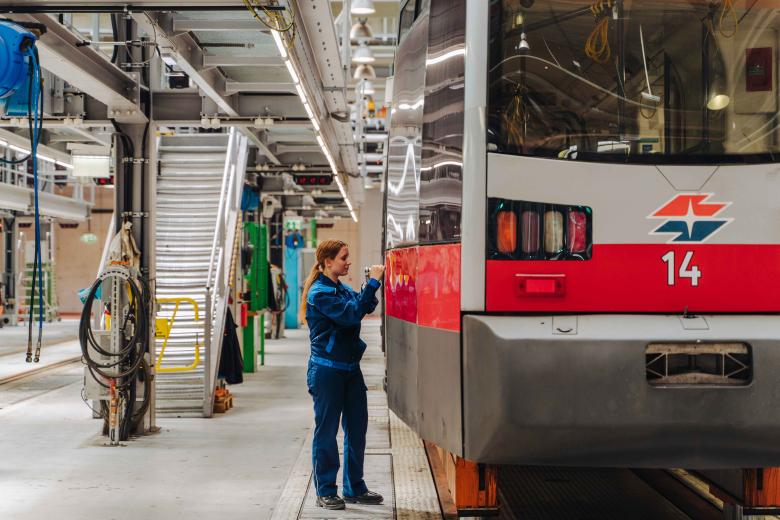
<point x="89" y="237"/>
<point x="523" y="47"/>
<point x="361" y="31"/>
<point x="362" y="7"/>
<point x="364" y="71"/>
<point x="364" y="88"/>
<point x="717" y="86"/>
<point x="363" y="54"/>
<point x="718" y="102"/>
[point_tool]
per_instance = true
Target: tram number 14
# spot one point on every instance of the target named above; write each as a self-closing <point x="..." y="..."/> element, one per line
<point x="686" y="270"/>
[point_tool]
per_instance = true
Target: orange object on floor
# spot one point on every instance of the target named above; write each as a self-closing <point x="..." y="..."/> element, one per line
<point x="761" y="487"/>
<point x="472" y="486"/>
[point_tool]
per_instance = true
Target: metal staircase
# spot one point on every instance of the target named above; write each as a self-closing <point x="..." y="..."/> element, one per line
<point x="198" y="204"/>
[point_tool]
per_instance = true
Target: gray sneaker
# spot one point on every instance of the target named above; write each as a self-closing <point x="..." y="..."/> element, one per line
<point x="331" y="502"/>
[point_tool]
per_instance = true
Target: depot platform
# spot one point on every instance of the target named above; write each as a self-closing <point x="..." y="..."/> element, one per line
<point x="252" y="462"/>
<point x="176" y="174"/>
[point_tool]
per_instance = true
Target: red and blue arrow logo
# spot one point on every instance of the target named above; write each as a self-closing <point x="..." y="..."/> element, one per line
<point x="690" y="218"/>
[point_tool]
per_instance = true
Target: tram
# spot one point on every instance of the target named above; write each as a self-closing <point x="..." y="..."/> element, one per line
<point x="582" y="231"/>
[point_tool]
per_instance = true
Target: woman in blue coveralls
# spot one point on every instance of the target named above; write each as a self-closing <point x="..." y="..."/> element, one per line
<point x="333" y="312"/>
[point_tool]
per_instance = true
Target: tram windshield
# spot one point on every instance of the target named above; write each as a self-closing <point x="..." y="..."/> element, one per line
<point x="636" y="81"/>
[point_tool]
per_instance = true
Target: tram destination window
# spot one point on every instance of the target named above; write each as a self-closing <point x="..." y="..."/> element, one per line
<point x="651" y="81"/>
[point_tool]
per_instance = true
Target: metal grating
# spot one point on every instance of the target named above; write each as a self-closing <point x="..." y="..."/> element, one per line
<point x="542" y="493"/>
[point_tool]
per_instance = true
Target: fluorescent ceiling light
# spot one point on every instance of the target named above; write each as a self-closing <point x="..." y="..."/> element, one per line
<point x="365" y="87"/>
<point x="446" y="56"/>
<point x="301" y="94"/>
<point x="362" y="7"/>
<point x="363" y="54"/>
<point x="292" y="71"/>
<point x="279" y="43"/>
<point x="308" y="111"/>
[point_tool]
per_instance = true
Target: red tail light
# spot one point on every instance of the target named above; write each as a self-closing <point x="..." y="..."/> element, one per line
<point x="553" y="232"/>
<point x="576" y="231"/>
<point x="545" y="231"/>
<point x="530" y="232"/>
<point x="507" y="231"/>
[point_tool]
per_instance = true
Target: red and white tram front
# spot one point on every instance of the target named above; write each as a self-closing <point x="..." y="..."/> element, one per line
<point x="619" y="237"/>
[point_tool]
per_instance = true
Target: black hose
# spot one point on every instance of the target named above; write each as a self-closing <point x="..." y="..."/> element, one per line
<point x="129" y="363"/>
<point x="115" y="35"/>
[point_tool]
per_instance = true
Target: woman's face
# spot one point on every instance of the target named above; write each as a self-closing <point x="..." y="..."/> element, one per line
<point x="339" y="266"/>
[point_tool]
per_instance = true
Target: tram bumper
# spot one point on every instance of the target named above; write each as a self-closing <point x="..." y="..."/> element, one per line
<point x="536" y="392"/>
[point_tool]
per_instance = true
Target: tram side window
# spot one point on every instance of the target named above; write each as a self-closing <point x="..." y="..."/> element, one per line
<point x="406" y="18"/>
<point x="402" y="181"/>
<point x="657" y="81"/>
<point x="441" y="172"/>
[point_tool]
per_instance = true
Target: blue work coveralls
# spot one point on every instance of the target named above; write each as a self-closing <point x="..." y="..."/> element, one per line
<point x="334" y="312"/>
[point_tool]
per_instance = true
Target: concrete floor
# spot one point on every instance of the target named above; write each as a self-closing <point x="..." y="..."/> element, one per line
<point x="13" y="339"/>
<point x="240" y="465"/>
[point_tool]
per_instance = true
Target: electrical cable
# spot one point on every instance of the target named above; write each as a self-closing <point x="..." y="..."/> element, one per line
<point x="38" y="106"/>
<point x="280" y="23"/>
<point x="35" y="121"/>
<point x="597" y="45"/>
<point x="128" y="365"/>
<point x="727" y="6"/>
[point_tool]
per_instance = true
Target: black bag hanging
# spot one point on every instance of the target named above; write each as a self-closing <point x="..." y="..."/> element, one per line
<point x="231" y="363"/>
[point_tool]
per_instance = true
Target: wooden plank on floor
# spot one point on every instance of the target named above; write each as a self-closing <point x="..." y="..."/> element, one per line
<point x="449" y="511"/>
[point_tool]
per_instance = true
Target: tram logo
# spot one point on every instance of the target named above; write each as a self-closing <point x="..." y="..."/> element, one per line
<point x="689" y="218"/>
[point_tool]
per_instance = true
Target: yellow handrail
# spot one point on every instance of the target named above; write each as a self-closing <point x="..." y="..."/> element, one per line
<point x="163" y="328"/>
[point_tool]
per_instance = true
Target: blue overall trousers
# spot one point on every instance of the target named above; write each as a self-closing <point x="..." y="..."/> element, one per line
<point x="334" y="312"/>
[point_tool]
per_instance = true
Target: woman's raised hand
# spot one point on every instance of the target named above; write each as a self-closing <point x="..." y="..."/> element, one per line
<point x="376" y="272"/>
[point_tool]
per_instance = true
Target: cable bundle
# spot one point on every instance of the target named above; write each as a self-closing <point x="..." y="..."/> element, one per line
<point x="35" y="122"/>
<point x="124" y="368"/>
<point x="276" y="20"/>
<point x="597" y="45"/>
<point x="726" y="9"/>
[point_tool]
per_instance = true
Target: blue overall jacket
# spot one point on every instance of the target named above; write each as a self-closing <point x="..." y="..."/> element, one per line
<point x="334" y="312"/>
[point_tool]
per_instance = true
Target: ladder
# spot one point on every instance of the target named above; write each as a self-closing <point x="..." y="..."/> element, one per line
<point x="197" y="173"/>
<point x="50" y="309"/>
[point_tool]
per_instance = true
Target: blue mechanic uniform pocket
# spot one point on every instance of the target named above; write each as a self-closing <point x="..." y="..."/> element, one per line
<point x="311" y="375"/>
<point x="331" y="341"/>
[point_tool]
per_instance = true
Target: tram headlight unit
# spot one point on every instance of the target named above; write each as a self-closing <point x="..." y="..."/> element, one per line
<point x="524" y="230"/>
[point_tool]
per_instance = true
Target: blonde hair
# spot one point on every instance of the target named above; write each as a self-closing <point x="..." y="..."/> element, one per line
<point x="326" y="250"/>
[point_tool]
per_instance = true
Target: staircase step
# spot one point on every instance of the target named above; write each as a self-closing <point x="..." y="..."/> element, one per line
<point x="188" y="196"/>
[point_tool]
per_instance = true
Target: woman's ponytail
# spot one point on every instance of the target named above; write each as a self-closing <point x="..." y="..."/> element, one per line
<point x="327" y="250"/>
<point x="315" y="271"/>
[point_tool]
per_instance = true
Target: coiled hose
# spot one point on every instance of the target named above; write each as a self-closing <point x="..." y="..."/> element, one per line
<point x="128" y="365"/>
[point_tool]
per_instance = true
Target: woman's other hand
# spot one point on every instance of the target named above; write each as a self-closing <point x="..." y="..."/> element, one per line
<point x="376" y="272"/>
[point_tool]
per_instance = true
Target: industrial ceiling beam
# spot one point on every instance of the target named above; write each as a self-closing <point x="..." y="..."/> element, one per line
<point x="85" y="69"/>
<point x="188" y="55"/>
<point x="122" y="6"/>
<point x="57" y="123"/>
<point x="242" y="24"/>
<point x="24" y="142"/>
<point x="241" y="61"/>
<point x="89" y="135"/>
<point x="296" y="148"/>
<point x="234" y="87"/>
<point x="258" y="138"/>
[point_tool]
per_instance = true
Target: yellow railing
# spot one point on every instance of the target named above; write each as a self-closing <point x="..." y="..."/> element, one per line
<point x="163" y="328"/>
